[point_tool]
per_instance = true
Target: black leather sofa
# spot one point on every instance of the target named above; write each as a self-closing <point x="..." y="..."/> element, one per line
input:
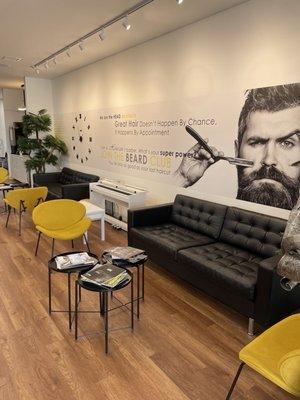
<point x="67" y="184"/>
<point x="227" y="252"/>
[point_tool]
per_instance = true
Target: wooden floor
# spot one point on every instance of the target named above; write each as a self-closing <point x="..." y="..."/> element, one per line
<point x="185" y="345"/>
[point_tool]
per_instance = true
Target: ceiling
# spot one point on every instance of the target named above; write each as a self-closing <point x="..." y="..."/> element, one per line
<point x="34" y="29"/>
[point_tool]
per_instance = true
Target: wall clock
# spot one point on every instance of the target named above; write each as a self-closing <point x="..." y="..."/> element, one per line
<point x="81" y="138"/>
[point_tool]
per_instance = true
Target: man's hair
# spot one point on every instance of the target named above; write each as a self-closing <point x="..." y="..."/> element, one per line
<point x="271" y="99"/>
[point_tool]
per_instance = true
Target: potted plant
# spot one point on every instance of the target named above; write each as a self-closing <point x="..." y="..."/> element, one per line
<point x="41" y="149"/>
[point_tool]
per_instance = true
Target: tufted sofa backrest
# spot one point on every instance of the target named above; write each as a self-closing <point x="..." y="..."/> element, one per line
<point x="198" y="215"/>
<point x="258" y="233"/>
<point x="69" y="176"/>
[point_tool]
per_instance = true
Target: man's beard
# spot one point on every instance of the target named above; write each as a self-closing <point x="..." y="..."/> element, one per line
<point x="250" y="189"/>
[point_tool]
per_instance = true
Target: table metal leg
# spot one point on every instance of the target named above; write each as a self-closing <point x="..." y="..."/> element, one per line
<point x="143" y="282"/>
<point x="105" y="297"/>
<point x="76" y="309"/>
<point x="138" y="294"/>
<point x="102" y="310"/>
<point x="69" y="300"/>
<point x="49" y="291"/>
<point x="132" y="305"/>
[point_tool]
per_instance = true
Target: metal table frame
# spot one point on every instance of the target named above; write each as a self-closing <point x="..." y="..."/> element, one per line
<point x="104" y="310"/>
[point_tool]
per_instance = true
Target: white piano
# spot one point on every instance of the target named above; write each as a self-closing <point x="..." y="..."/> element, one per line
<point x="116" y="198"/>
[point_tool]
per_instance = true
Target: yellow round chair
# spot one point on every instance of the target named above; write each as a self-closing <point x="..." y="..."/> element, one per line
<point x="61" y="219"/>
<point x="3" y="174"/>
<point x="275" y="354"/>
<point x="24" y="200"/>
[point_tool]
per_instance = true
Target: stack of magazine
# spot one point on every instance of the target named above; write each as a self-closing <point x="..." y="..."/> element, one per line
<point x="74" y="260"/>
<point x="107" y="275"/>
<point x="124" y="255"/>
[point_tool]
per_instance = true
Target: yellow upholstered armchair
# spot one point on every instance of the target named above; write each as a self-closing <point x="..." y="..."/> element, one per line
<point x="61" y="219"/>
<point x="24" y="200"/>
<point x="275" y="354"/>
<point x="3" y="174"/>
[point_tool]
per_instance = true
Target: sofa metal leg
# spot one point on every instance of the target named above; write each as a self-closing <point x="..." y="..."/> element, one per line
<point x="235" y="381"/>
<point x="86" y="242"/>
<point x="251" y="327"/>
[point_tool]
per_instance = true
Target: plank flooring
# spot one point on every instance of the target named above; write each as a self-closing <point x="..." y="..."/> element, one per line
<point x="184" y="347"/>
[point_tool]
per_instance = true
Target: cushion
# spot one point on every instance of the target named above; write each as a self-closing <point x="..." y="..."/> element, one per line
<point x="54" y="190"/>
<point x="232" y="268"/>
<point x="257" y="233"/>
<point x="198" y="215"/>
<point x="170" y="237"/>
<point x="290" y="369"/>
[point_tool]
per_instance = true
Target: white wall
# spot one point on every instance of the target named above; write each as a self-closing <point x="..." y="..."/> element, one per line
<point x="12" y="99"/>
<point x="252" y="45"/>
<point x="2" y="126"/>
<point x="39" y="95"/>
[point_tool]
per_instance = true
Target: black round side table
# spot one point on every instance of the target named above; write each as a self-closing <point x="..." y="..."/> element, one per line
<point x="103" y="301"/>
<point x="52" y="267"/>
<point x="140" y="285"/>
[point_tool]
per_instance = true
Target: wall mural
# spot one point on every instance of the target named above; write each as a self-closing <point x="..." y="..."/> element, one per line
<point x="251" y="149"/>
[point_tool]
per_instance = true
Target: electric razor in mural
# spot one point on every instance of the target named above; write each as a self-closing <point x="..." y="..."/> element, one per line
<point x="81" y="138"/>
<point x="267" y="148"/>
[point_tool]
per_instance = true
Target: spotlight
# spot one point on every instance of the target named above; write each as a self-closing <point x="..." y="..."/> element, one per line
<point x="46" y="66"/>
<point x="102" y="34"/>
<point x="54" y="61"/>
<point x="126" y="24"/>
<point x="80" y="44"/>
<point x="37" y="70"/>
<point x="179" y="1"/>
<point x="68" y="53"/>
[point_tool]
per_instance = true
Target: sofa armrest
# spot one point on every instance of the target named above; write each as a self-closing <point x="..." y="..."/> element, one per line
<point x="152" y="215"/>
<point x="44" y="178"/>
<point x="272" y="302"/>
<point x="76" y="191"/>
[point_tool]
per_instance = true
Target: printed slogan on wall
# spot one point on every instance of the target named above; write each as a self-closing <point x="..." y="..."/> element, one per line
<point x="150" y="141"/>
<point x="154" y="161"/>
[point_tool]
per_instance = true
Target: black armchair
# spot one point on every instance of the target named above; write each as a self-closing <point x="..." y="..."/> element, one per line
<point x="67" y="184"/>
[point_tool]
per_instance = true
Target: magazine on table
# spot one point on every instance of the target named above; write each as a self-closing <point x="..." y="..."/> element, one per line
<point x="106" y="275"/>
<point x="73" y="260"/>
<point x="121" y="255"/>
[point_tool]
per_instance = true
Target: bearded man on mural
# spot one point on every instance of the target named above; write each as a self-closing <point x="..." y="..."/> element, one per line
<point x="269" y="136"/>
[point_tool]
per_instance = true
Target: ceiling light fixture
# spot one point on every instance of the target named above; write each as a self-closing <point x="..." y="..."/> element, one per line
<point x="100" y="31"/>
<point x="126" y="24"/>
<point x="102" y="34"/>
<point x="179" y="2"/>
<point x="54" y="61"/>
<point x="46" y="66"/>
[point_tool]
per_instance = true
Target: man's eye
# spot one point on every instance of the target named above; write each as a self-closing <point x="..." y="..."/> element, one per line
<point x="255" y="143"/>
<point x="287" y="144"/>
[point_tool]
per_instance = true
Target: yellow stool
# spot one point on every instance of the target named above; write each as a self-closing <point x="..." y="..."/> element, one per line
<point x="275" y="354"/>
<point x="61" y="219"/>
